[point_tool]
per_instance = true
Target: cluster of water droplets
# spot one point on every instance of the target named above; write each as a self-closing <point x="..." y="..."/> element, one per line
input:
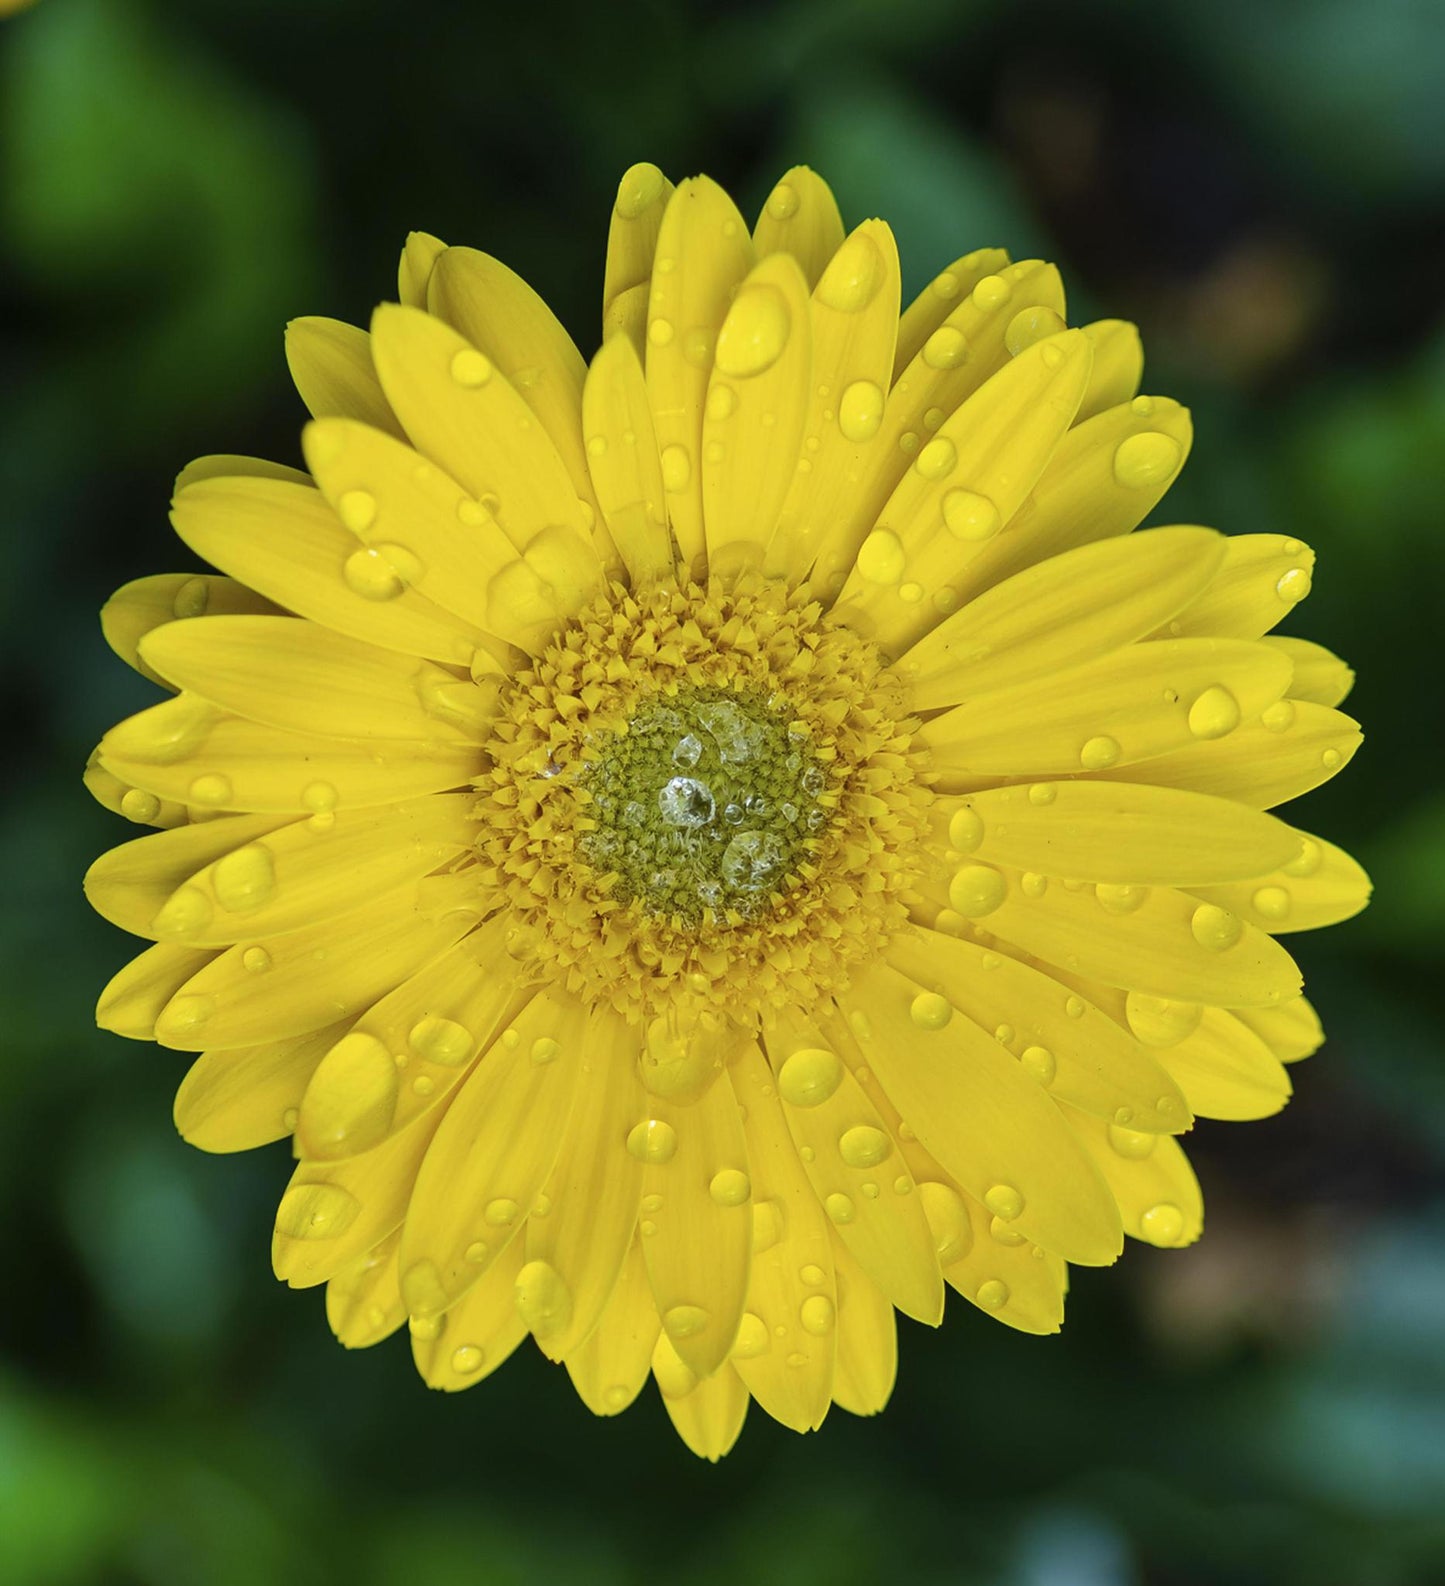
<point x="704" y="805"/>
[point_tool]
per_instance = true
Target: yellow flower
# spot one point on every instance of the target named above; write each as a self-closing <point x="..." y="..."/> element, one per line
<point x="702" y="849"/>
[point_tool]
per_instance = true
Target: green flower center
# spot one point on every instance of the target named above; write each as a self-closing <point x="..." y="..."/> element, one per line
<point x="706" y="806"/>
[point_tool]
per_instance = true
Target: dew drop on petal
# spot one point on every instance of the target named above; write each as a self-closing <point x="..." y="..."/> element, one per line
<point x="1132" y="1144"/>
<point x="783" y="202"/>
<point x="991" y="292"/>
<point x="466" y="1359"/>
<point x="993" y="1295"/>
<point x="192" y="598"/>
<point x="1099" y="753"/>
<point x="1214" y="714"/>
<point x="937" y="459"/>
<point x="316" y="1211"/>
<point x="441" y="1041"/>
<point x="810" y="1076"/>
<point x="930" y="1011"/>
<point x="1309" y="859"/>
<point x="976" y="890"/>
<point x="544" y="1301"/>
<point x="817" y="1315"/>
<point x="840" y="1208"/>
<point x="752" y="1339"/>
<point x="1215" y="928"/>
<point x="965" y="830"/>
<point x="1149" y="458"/>
<point x="684" y="1321"/>
<point x="245" y="879"/>
<point x="1272" y="902"/>
<point x="138" y="806"/>
<point x="1039" y="1062"/>
<point x="853" y="276"/>
<point x="471" y="368"/>
<point x="948" y="1221"/>
<point x="945" y="348"/>
<point x="1160" y="1021"/>
<point x="653" y="1140"/>
<point x="864" y="1146"/>
<point x="860" y="411"/>
<point x="1293" y="586"/>
<point x="1115" y="898"/>
<point x="676" y="468"/>
<point x="881" y="558"/>
<point x="1162" y="1224"/>
<point x="730" y="1187"/>
<point x="970" y="516"/>
<point x="754" y="333"/>
<point x="1004" y="1201"/>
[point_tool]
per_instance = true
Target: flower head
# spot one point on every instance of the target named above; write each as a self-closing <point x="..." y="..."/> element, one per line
<point x="704" y="849"/>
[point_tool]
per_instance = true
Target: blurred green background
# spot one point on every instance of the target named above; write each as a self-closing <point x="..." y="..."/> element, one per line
<point x="1261" y="184"/>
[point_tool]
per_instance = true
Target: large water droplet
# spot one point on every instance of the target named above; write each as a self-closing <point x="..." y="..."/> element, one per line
<point x="245" y="879"/>
<point x="1132" y="1144"/>
<point x="1099" y="753"/>
<point x="965" y="829"/>
<point x="945" y="348"/>
<point x="752" y="1339"/>
<point x="854" y="275"/>
<point x="1214" y="714"/>
<point x="442" y="1041"/>
<point x="929" y="1011"/>
<point x="864" y="1146"/>
<point x="1215" y="928"/>
<point x="471" y="368"/>
<point x="684" y="1321"/>
<point x="937" y="460"/>
<point x="881" y="558"/>
<point x="730" y="1187"/>
<point x="817" y="1315"/>
<point x="185" y="913"/>
<point x="754" y="333"/>
<point x="1162" y="1224"/>
<point x="316" y="1211"/>
<point x="970" y="516"/>
<point x="1272" y="902"/>
<point x="1159" y="1021"/>
<point x="1004" y="1201"/>
<point x="684" y="801"/>
<point x="860" y="411"/>
<point x="810" y="1076"/>
<point x="993" y="1295"/>
<point x="544" y="1301"/>
<point x="752" y="860"/>
<point x="1031" y="325"/>
<point x="976" y="890"/>
<point x="1150" y="458"/>
<point x="948" y="1221"/>
<point x="652" y="1140"/>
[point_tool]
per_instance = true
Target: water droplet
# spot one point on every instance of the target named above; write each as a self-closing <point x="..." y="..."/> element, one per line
<point x="965" y="829"/>
<point x="1162" y="1224"/>
<point x="138" y="806"/>
<point x="1004" y="1201"/>
<point x="976" y="890"/>
<point x="1309" y="859"/>
<point x="810" y="1076"/>
<point x="660" y="332"/>
<point x="751" y="860"/>
<point x="970" y="516"/>
<point x="544" y="1301"/>
<point x="1074" y="1007"/>
<point x="1150" y="458"/>
<point x="684" y="801"/>
<point x="754" y="333"/>
<point x="937" y="460"/>
<point x="783" y="201"/>
<point x="840" y="1208"/>
<point x="256" y="960"/>
<point x="767" y="1225"/>
<point x="187" y="911"/>
<point x="477" y="1252"/>
<point x="880" y="557"/>
<point x="442" y="1041"/>
<point x="502" y="1213"/>
<point x="929" y="1011"/>
<point x="596" y="447"/>
<point x="192" y="598"/>
<point x="357" y="510"/>
<point x="1215" y="928"/>
<point x="1293" y="586"/>
<point x="1272" y="902"/>
<point x="466" y="1359"/>
<point x="948" y="1221"/>
<point x="684" y="1321"/>
<point x="1032" y="884"/>
<point x="676" y="468"/>
<point x="653" y="1140"/>
<point x="1100" y="753"/>
<point x="1001" y="1233"/>
<point x="1279" y="717"/>
<point x="697" y="347"/>
<point x="752" y="1339"/>
<point x="1043" y="793"/>
<point x="471" y="368"/>
<point x="945" y="285"/>
<point x="1214" y="714"/>
<point x="1116" y="898"/>
<point x="1133" y="1144"/>
<point x="730" y="1187"/>
<point x="722" y="402"/>
<point x="991" y="292"/>
<point x="316" y="1211"/>
<point x="211" y="791"/>
<point x="853" y="277"/>
<point x="864" y="1146"/>
<point x="945" y="348"/>
<point x="426" y="1328"/>
<point x="245" y="879"/>
<point x="371" y="575"/>
<point x="817" y="1315"/>
<point x="1160" y="1022"/>
<point x="1031" y="325"/>
<point x="993" y="1295"/>
<point x="1039" y="1061"/>
<point x="860" y="411"/>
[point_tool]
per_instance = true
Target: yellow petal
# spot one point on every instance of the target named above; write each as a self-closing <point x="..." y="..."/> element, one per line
<point x="319" y="972"/>
<point x="227" y="465"/>
<point x="1150" y="1177"/>
<point x="186" y="750"/>
<point x="854" y="312"/>
<point x="853" y="1164"/>
<point x="1067" y="610"/>
<point x="801" y="218"/>
<point x="1263" y="577"/>
<point x="363" y="1300"/>
<point x="405" y="1054"/>
<point x="136" y="995"/>
<point x="1062" y="1041"/>
<point x="697" y="1240"/>
<point x="989" y="1124"/>
<point x="709" y="1417"/>
<point x="463" y="414"/>
<point x="1118" y="366"/>
<point x="1291" y="1031"/>
<point x="236" y="1100"/>
<point x="1319" y="674"/>
<point x="293" y="674"/>
<point x="331" y="365"/>
<point x="784" y="1350"/>
<point x="867" y="1363"/>
<point x="452" y="549"/>
<point x="1288" y="750"/>
<point x="948" y="292"/>
<point x="622" y="456"/>
<point x="703" y="253"/>
<point x="334" y="1212"/>
<point x="1226" y="1070"/>
<point x="1120" y="833"/>
<point x="1134" y="704"/>
<point x="609" y="1367"/>
<point x="642" y="197"/>
<point x="1318" y="885"/>
<point x="1106" y="476"/>
<point x="491" y="1155"/>
<point x="965" y="484"/>
<point x="148" y="603"/>
<point x="285" y="541"/>
<point x="757" y="398"/>
<point x="120" y="798"/>
<point x="477" y="1334"/>
<point x="413" y="271"/>
<point x="591" y="1198"/>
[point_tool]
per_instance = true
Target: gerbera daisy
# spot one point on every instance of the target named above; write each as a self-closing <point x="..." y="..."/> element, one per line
<point x="701" y="850"/>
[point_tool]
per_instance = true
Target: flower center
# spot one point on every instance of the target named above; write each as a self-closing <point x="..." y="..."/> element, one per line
<point x="705" y="805"/>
